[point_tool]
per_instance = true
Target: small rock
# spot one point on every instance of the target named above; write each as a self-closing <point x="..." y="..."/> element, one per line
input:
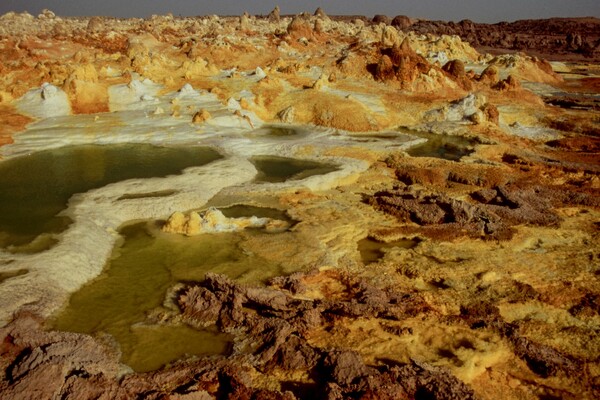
<point x="201" y="116"/>
<point x="287" y="115"/>
<point x="274" y="15"/>
<point x="321" y="82"/>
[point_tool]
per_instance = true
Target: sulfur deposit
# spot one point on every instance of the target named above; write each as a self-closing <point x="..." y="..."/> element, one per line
<point x="213" y="221"/>
<point x="478" y="145"/>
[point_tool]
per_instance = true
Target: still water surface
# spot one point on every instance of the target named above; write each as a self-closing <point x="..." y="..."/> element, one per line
<point x="137" y="278"/>
<point x="36" y="187"/>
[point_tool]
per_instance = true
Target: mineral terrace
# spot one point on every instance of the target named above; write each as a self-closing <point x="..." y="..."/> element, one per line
<point x="498" y="295"/>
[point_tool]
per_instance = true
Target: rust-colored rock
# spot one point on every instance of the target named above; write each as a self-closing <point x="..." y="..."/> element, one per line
<point x="299" y="27"/>
<point x="201" y="116"/>
<point x="509" y="84"/>
<point x="456" y="70"/>
<point x="385" y="69"/>
<point x="489" y="76"/>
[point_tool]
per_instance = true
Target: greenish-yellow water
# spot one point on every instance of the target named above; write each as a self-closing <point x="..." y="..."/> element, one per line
<point x="281" y="169"/>
<point x="372" y="251"/>
<point x="135" y="283"/>
<point x="447" y="147"/>
<point x="35" y="188"/>
<point x="276" y="132"/>
<point x="245" y="210"/>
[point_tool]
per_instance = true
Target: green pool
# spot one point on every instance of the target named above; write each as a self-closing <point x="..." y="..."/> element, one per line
<point x="35" y="188"/>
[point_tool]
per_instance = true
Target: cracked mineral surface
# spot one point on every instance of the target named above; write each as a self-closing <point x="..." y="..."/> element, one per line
<point x="385" y="208"/>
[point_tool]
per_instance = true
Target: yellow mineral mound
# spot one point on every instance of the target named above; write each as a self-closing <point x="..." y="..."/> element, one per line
<point x="354" y="62"/>
<point x="213" y="221"/>
<point x="84" y="72"/>
<point x="330" y="110"/>
<point x="198" y="68"/>
<point x="86" y="95"/>
<point x="403" y="66"/>
<point x="390" y="36"/>
<point x="443" y="48"/>
<point x="526" y="68"/>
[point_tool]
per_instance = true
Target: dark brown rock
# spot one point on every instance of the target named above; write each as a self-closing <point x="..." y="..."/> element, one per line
<point x="345" y="366"/>
<point x="381" y="19"/>
<point x="543" y="360"/>
<point x="201" y="305"/>
<point x="293" y="283"/>
<point x="432" y="383"/>
<point x="385" y="69"/>
<point x="455" y="68"/>
<point x="485" y="196"/>
<point x="402" y="22"/>
<point x="554" y="38"/>
<point x="40" y="364"/>
<point x="588" y="306"/>
<point x="295" y="354"/>
<point x="267" y="298"/>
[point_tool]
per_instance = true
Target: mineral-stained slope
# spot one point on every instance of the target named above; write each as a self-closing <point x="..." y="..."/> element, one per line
<point x="497" y="297"/>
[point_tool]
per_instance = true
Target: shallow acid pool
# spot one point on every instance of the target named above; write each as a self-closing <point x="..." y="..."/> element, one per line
<point x="246" y="210"/>
<point x="276" y="132"/>
<point x="36" y="187"/>
<point x="372" y="251"/>
<point x="281" y="169"/>
<point x="136" y="279"/>
<point x="447" y="147"/>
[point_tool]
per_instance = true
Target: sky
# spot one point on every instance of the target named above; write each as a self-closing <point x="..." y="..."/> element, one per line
<point x="450" y="10"/>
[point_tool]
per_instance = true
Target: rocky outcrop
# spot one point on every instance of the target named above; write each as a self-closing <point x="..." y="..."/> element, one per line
<point x="489" y="76"/>
<point x="47" y="101"/>
<point x="509" y="84"/>
<point x="456" y="70"/>
<point x="274" y="15"/>
<point x="271" y="328"/>
<point x="567" y="38"/>
<point x="300" y="28"/>
<point x="283" y="324"/>
<point x="319" y="12"/>
<point x="473" y="107"/>
<point x="402" y="22"/>
<point x="527" y="68"/>
<point x="381" y="19"/>
<point x="40" y="364"/>
<point x="402" y="64"/>
<point x="496" y="205"/>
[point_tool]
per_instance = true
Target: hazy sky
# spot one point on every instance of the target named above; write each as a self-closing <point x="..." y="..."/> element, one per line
<point x="451" y="10"/>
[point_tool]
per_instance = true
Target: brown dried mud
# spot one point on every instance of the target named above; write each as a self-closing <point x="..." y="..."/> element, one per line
<point x="494" y="198"/>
